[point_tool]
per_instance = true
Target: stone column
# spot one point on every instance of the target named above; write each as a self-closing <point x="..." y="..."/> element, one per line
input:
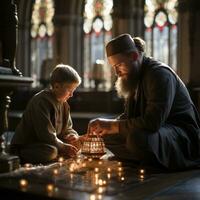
<point x="68" y="44"/>
<point x="189" y="42"/>
<point x="128" y="17"/>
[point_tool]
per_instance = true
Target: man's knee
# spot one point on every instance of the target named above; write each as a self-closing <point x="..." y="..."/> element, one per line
<point x="141" y="142"/>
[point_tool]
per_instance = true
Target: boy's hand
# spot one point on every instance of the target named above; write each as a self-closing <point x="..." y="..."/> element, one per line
<point x="82" y="138"/>
<point x="68" y="151"/>
<point x="73" y="140"/>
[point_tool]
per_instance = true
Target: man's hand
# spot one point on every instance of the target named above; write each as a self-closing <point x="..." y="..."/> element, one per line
<point x="102" y="126"/>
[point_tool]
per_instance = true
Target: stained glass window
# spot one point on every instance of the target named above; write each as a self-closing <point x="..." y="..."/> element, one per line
<point x="42" y="30"/>
<point x="97" y="31"/>
<point x="161" y="30"/>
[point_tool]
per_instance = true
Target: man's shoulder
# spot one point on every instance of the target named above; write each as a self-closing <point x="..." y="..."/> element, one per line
<point x="152" y="66"/>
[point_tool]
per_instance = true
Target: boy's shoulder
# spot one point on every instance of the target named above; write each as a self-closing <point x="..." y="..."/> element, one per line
<point x="44" y="96"/>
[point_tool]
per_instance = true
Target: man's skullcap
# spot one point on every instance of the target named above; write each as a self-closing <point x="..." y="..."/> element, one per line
<point x="122" y="44"/>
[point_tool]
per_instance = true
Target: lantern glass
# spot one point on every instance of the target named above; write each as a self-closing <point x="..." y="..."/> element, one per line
<point x="93" y="147"/>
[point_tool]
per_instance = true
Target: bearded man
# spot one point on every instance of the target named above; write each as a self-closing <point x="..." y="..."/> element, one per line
<point x="160" y="124"/>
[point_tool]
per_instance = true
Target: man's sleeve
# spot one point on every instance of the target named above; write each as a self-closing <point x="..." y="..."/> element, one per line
<point x="160" y="89"/>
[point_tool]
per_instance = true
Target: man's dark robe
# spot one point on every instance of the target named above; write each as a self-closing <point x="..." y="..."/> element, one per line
<point x="161" y="119"/>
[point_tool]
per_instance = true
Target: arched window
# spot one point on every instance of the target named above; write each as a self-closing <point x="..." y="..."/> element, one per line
<point x="42" y="30"/>
<point x="161" y="30"/>
<point x="97" y="31"/>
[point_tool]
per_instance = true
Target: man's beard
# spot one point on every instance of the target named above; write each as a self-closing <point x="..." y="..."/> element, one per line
<point x="126" y="87"/>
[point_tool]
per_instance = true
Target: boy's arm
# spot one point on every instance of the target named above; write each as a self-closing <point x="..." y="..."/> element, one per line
<point x="44" y="129"/>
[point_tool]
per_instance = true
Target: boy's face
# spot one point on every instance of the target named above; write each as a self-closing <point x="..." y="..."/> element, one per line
<point x="64" y="91"/>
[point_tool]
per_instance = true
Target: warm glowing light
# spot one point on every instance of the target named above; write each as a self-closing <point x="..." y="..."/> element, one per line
<point x="50" y="187"/>
<point x="61" y="159"/>
<point x="93" y="146"/>
<point x="109" y="169"/>
<point x="23" y="183"/>
<point x="84" y="164"/>
<point x="78" y="160"/>
<point x="100" y="190"/>
<point x="27" y="165"/>
<point x="141" y="177"/>
<point x="71" y="177"/>
<point x="92" y="197"/>
<point x="100" y="182"/>
<point x="119" y="163"/>
<point x="104" y="182"/>
<point x="96" y="169"/>
<point x="119" y="174"/>
<point x="122" y="178"/>
<point x="108" y="175"/>
<point x="72" y="167"/>
<point x="55" y="171"/>
<point x="99" y="197"/>
<point x="96" y="175"/>
<point x="119" y="169"/>
<point x="142" y="171"/>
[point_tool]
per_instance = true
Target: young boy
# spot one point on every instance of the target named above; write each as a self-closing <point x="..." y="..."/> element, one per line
<point x="45" y="130"/>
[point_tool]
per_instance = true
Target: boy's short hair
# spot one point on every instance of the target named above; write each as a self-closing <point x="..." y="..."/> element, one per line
<point x="64" y="74"/>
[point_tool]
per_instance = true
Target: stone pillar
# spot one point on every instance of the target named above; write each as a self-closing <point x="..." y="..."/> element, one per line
<point x="189" y="42"/>
<point x="128" y="17"/>
<point x="67" y="50"/>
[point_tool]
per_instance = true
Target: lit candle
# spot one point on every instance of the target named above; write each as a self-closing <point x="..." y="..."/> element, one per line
<point x="83" y="164"/>
<point x="71" y="179"/>
<point x="55" y="171"/>
<point x="50" y="187"/>
<point x="104" y="182"/>
<point x="108" y="175"/>
<point x="78" y="160"/>
<point x="96" y="169"/>
<point x="96" y="176"/>
<point x="71" y="176"/>
<point x="61" y="159"/>
<point x="27" y="165"/>
<point x="119" y="174"/>
<point x="109" y="169"/>
<point x="142" y="171"/>
<point x="119" y="163"/>
<point x="100" y="182"/>
<point x="100" y="162"/>
<point x="141" y="177"/>
<point x="99" y="196"/>
<point x="119" y="169"/>
<point x="72" y="167"/>
<point x="92" y="197"/>
<point x="100" y="190"/>
<point x="23" y="183"/>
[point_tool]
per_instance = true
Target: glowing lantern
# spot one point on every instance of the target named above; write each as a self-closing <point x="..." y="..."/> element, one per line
<point x="93" y="147"/>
